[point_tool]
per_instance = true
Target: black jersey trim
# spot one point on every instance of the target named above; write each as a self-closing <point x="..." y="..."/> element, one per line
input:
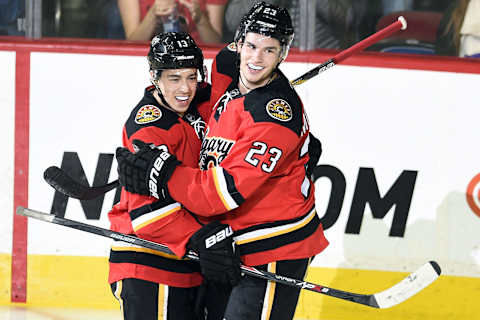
<point x="232" y="189"/>
<point x="154" y="261"/>
<point x="149" y="208"/>
<point x="270" y="242"/>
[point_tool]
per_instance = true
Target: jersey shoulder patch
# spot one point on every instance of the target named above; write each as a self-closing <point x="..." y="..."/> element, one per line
<point x="278" y="103"/>
<point x="149" y="113"/>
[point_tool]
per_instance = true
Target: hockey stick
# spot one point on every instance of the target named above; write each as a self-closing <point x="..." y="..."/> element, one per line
<point x="394" y="295"/>
<point x="400" y="24"/>
<point x="62" y="182"/>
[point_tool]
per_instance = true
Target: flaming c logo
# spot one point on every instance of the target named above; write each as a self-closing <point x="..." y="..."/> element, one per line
<point x="473" y="194"/>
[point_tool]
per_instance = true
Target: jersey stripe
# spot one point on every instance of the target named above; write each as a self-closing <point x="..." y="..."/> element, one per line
<point x="139" y="258"/>
<point x="124" y="246"/>
<point x="118" y="295"/>
<point x="150" y="217"/>
<point x="269" y="293"/>
<point x="306" y="187"/>
<point x="222" y="188"/>
<point x="162" y="302"/>
<point x="261" y="234"/>
<point x="304" y="149"/>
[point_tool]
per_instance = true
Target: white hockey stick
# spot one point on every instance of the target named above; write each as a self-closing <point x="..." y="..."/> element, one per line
<point x="400" y="292"/>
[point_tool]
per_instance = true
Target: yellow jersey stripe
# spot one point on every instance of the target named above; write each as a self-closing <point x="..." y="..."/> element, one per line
<point x="274" y="231"/>
<point x="155" y="218"/>
<point x="145" y="250"/>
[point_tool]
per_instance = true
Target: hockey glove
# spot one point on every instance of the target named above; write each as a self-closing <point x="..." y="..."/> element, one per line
<point x="147" y="171"/>
<point x="219" y="259"/>
<point x="314" y="151"/>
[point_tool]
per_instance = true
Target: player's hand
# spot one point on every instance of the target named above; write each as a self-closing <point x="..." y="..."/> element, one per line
<point x="163" y="7"/>
<point x="194" y="7"/>
<point x="147" y="171"/>
<point x="219" y="259"/>
<point x="314" y="152"/>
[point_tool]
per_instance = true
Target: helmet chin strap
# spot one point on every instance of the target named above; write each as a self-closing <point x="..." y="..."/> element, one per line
<point x="159" y="92"/>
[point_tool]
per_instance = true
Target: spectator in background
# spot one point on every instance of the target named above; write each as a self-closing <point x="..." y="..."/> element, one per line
<point x="338" y="22"/>
<point x="470" y="31"/>
<point x="389" y="6"/>
<point x="459" y="30"/>
<point x="336" y="26"/>
<point x="10" y="13"/>
<point x="105" y="21"/>
<point x="203" y="19"/>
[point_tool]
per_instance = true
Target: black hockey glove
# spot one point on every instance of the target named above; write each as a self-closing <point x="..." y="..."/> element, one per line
<point x="147" y="171"/>
<point x="219" y="259"/>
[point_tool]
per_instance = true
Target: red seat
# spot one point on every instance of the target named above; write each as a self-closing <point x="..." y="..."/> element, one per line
<point x="421" y="25"/>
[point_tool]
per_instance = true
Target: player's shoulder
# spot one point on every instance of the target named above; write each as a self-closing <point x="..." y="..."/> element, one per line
<point x="277" y="103"/>
<point x="202" y="95"/>
<point x="225" y="60"/>
<point x="149" y="113"/>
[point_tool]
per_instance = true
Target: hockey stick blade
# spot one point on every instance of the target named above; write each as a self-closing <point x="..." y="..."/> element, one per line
<point x="400" y="292"/>
<point x="62" y="182"/>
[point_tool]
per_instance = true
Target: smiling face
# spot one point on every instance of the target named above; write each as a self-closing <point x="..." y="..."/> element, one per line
<point x="178" y="87"/>
<point x="259" y="56"/>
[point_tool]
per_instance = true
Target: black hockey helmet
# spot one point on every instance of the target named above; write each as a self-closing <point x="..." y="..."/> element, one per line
<point x="269" y="20"/>
<point x="174" y="50"/>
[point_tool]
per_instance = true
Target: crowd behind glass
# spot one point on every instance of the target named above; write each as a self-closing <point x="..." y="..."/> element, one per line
<point x="442" y="27"/>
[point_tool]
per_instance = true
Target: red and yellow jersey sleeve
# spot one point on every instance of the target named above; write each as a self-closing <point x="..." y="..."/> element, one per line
<point x="241" y="157"/>
<point x="165" y="222"/>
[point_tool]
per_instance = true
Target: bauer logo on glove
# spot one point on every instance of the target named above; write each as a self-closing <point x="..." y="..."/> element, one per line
<point x="218" y="237"/>
<point x="146" y="171"/>
<point x="155" y="172"/>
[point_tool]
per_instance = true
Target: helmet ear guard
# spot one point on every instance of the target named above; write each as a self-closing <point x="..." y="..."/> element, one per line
<point x="269" y="20"/>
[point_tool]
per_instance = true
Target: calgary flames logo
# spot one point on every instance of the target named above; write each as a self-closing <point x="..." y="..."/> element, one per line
<point x="214" y="150"/>
<point x="147" y="114"/>
<point x="279" y="109"/>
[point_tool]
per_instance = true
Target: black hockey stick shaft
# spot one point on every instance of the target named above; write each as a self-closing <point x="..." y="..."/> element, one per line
<point x="388" y="298"/>
<point x="64" y="183"/>
<point x="386" y="32"/>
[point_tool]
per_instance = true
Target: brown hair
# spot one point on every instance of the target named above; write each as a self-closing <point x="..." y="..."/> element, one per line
<point x="455" y="22"/>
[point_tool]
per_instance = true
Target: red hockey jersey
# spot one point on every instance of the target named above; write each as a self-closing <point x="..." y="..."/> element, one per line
<point x="253" y="159"/>
<point x="165" y="222"/>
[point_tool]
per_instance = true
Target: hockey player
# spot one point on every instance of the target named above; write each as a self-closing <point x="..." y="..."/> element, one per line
<point x="253" y="166"/>
<point x="149" y="284"/>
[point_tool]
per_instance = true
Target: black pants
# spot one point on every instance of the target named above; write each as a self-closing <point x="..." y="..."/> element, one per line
<point x="258" y="299"/>
<point x="144" y="300"/>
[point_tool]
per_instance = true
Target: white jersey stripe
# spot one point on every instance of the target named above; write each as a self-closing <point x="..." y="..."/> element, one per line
<point x="223" y="190"/>
<point x="150" y="217"/>
<point x="274" y="231"/>
<point x="269" y="294"/>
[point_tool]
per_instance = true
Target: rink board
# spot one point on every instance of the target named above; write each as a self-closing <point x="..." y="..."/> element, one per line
<point x="80" y="282"/>
<point x="382" y="122"/>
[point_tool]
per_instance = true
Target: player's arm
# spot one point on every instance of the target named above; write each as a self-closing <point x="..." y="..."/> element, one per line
<point x="159" y="220"/>
<point x="246" y="167"/>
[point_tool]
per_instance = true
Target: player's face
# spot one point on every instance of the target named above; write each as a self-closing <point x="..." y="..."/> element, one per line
<point x="259" y="55"/>
<point x="178" y="87"/>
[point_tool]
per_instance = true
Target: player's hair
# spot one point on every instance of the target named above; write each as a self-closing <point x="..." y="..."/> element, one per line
<point x="174" y="50"/>
<point x="269" y="20"/>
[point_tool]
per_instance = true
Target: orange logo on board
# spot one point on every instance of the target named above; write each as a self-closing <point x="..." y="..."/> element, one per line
<point x="473" y="194"/>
